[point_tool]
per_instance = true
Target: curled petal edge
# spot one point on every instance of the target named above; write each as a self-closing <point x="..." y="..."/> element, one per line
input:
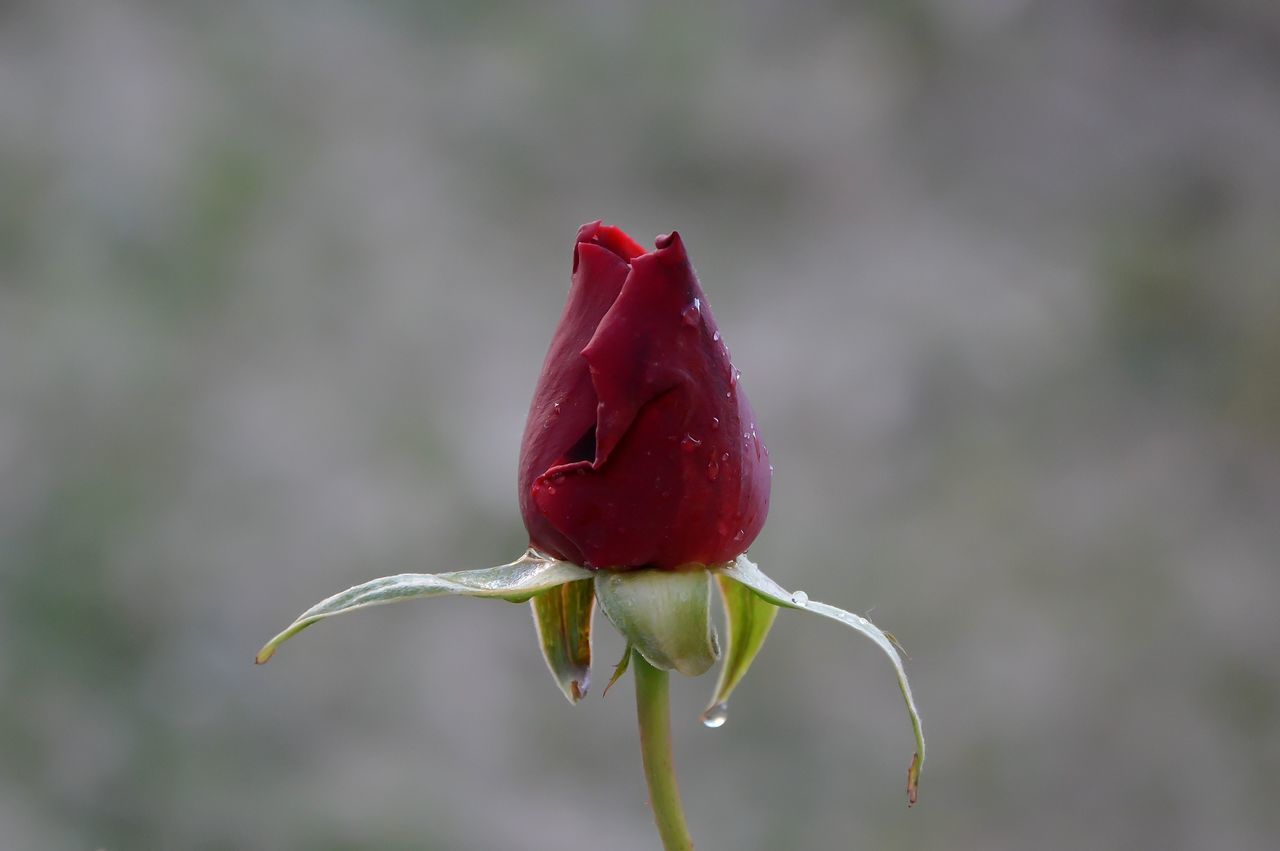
<point x="744" y="571"/>
<point x="516" y="582"/>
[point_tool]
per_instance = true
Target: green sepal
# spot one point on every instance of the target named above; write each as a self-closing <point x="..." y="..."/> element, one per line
<point x="747" y="617"/>
<point x="528" y="575"/>
<point x="562" y="617"/>
<point x="742" y="570"/>
<point x="618" y="670"/>
<point x="665" y="615"/>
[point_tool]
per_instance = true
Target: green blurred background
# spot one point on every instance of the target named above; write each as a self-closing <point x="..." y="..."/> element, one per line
<point x="275" y="281"/>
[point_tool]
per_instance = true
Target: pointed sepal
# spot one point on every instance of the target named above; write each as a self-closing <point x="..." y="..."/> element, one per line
<point x="747" y="617"/>
<point x="562" y="617"/>
<point x="665" y="615"/>
<point x="528" y="575"/>
<point x="618" y="670"/>
<point x="742" y="570"/>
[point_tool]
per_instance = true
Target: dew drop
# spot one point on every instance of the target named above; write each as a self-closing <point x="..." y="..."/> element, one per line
<point x="551" y="490"/>
<point x="689" y="443"/>
<point x="738" y="537"/>
<point x="715" y="423"/>
<point x="716" y="715"/>
<point x="800" y="598"/>
<point x="724" y="456"/>
<point x="713" y="470"/>
<point x="692" y="314"/>
<point x="715" y="337"/>
<point x="555" y="409"/>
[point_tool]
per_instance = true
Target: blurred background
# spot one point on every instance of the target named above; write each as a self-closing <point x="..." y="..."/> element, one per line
<point x="276" y="279"/>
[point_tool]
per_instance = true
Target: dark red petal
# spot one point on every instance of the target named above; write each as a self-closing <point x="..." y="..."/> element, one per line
<point x="607" y="236"/>
<point x="564" y="404"/>
<point x="679" y="474"/>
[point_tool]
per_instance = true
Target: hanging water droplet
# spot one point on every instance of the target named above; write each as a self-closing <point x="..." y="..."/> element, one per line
<point x="716" y="715"/>
<point x="692" y="314"/>
<point x="800" y="599"/>
<point x="689" y="443"/>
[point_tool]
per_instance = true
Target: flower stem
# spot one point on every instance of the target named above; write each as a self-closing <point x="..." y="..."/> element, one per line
<point x="655" y="748"/>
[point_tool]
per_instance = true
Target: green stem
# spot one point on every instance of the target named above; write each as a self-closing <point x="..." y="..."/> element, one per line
<point x="655" y="747"/>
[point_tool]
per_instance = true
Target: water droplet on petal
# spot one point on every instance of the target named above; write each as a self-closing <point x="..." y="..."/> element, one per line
<point x="715" y="423"/>
<point x="689" y="443"/>
<point x="551" y="490"/>
<point x="715" y="337"/>
<point x="800" y="598"/>
<point x="713" y="470"/>
<point x="716" y="715"/>
<point x="739" y="536"/>
<point x="555" y="409"/>
<point x="692" y="314"/>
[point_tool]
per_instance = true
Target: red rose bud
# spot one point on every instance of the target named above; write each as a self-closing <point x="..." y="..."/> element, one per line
<point x="641" y="449"/>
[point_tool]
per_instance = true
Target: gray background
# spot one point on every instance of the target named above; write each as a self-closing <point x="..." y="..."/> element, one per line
<point x="1003" y="278"/>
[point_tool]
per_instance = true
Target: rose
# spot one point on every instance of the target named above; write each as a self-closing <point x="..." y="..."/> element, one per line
<point x="640" y="450"/>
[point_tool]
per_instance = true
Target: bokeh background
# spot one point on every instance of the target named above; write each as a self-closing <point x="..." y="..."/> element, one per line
<point x="276" y="279"/>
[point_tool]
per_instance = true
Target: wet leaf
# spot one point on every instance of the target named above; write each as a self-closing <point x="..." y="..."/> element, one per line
<point x="665" y="615"/>
<point x="744" y="571"/>
<point x="517" y="582"/>
<point x="748" y="617"/>
<point x="562" y="617"/>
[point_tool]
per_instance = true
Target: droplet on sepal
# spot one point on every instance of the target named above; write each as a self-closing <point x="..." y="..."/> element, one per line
<point x="715" y="716"/>
<point x="800" y="598"/>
